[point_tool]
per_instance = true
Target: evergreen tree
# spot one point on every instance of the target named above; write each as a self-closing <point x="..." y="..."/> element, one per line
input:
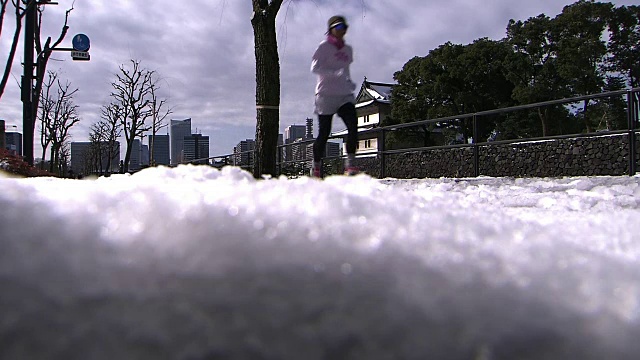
<point x="581" y="52"/>
<point x="452" y="80"/>
<point x="624" y="43"/>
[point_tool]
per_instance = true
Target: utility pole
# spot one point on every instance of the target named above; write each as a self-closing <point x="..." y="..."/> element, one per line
<point x="28" y="108"/>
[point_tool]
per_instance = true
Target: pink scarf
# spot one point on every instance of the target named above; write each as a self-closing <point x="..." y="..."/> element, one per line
<point x="339" y="43"/>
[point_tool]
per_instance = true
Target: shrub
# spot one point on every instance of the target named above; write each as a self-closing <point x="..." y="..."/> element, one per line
<point x="15" y="164"/>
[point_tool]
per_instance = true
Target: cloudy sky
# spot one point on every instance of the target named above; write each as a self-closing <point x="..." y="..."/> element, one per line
<point x="203" y="50"/>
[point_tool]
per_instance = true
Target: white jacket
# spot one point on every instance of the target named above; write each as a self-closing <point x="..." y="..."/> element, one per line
<point x="331" y="63"/>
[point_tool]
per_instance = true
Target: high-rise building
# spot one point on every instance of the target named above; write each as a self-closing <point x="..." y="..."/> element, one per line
<point x="135" y="159"/>
<point x="13" y="142"/>
<point x="93" y="158"/>
<point x="144" y="152"/>
<point x="159" y="148"/>
<point x="196" y="147"/>
<point x="244" y="153"/>
<point x="178" y="130"/>
<point x="298" y="150"/>
<point x="293" y="134"/>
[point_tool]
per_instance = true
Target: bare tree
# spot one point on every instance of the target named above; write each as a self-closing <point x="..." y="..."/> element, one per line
<point x="19" y="15"/>
<point x="65" y="158"/>
<point x="47" y="105"/>
<point x="110" y="130"/>
<point x="133" y="95"/>
<point x="3" y="10"/>
<point x="159" y="112"/>
<point x="263" y="21"/>
<point x="96" y="151"/>
<point x="59" y="114"/>
<point x="103" y="148"/>
<point x="44" y="51"/>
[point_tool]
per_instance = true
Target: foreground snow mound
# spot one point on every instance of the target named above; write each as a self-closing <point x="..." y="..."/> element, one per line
<point x="196" y="263"/>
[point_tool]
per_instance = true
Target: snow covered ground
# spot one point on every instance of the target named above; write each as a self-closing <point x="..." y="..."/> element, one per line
<point x="196" y="263"/>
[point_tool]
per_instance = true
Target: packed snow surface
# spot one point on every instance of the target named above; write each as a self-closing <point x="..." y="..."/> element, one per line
<point x="197" y="263"/>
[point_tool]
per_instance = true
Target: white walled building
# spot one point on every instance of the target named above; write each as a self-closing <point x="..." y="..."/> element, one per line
<point x="373" y="105"/>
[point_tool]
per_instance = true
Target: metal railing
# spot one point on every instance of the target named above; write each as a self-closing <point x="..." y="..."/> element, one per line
<point x="632" y="109"/>
<point x="632" y="100"/>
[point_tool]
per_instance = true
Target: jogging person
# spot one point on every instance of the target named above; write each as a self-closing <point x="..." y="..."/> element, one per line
<point x="334" y="93"/>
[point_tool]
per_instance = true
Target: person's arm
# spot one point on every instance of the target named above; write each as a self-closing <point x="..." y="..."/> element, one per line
<point x="318" y="65"/>
<point x="316" y="68"/>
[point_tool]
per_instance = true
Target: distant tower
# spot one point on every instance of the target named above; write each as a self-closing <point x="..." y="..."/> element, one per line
<point x="309" y="128"/>
<point x="178" y="131"/>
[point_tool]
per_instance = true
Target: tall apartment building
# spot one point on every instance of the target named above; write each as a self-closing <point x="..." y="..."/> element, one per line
<point x="159" y="149"/>
<point x="196" y="146"/>
<point x="87" y="159"/>
<point x="178" y="130"/>
<point x="243" y="153"/>
<point x="298" y="150"/>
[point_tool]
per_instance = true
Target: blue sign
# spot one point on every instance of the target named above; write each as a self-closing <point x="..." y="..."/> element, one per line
<point x="81" y="42"/>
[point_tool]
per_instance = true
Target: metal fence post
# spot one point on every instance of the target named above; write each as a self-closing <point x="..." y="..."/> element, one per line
<point x="476" y="150"/>
<point x="381" y="150"/>
<point x="631" y="119"/>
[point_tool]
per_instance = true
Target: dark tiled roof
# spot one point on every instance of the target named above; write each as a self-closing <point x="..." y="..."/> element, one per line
<point x="380" y="92"/>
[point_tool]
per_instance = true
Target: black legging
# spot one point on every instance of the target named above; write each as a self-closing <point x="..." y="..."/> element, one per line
<point x="348" y="114"/>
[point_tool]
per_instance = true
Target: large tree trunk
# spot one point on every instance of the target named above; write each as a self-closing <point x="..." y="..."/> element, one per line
<point x="127" y="154"/>
<point x="267" y="85"/>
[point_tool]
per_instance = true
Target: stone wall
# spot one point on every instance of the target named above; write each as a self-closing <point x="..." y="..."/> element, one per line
<point x="582" y="156"/>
